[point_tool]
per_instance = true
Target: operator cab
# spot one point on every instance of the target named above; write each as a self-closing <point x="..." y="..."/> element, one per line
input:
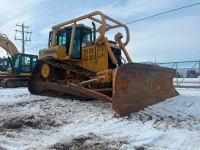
<point x="82" y="38"/>
<point x="63" y="37"/>
<point x="24" y="63"/>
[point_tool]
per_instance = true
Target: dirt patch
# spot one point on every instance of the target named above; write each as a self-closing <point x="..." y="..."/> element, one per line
<point x="163" y="122"/>
<point x="89" y="142"/>
<point x="140" y="148"/>
<point x="1" y="148"/>
<point x="27" y="121"/>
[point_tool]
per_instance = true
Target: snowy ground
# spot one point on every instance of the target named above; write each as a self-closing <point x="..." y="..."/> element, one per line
<point x="187" y="81"/>
<point x="35" y="122"/>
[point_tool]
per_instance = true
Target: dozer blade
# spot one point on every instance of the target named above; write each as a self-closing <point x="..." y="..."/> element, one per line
<point x="136" y="86"/>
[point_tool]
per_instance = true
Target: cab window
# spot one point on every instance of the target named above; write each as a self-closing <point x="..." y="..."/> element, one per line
<point x="25" y="64"/>
<point x="16" y="62"/>
<point x="25" y="60"/>
<point x="34" y="62"/>
<point x="50" y="38"/>
<point x="76" y="51"/>
<point x="61" y="38"/>
<point x="87" y="35"/>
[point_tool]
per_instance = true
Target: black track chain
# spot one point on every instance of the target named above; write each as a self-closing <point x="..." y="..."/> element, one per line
<point x="71" y="67"/>
<point x="36" y="76"/>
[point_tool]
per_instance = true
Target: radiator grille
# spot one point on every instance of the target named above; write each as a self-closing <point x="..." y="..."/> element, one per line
<point x="89" y="54"/>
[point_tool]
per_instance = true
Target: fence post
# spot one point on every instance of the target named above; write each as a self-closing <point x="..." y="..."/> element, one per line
<point x="176" y="74"/>
<point x="199" y="73"/>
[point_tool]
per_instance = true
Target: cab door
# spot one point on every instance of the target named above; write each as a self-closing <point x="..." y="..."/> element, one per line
<point x="76" y="51"/>
<point x="28" y="63"/>
<point x="25" y="65"/>
<point x="34" y="60"/>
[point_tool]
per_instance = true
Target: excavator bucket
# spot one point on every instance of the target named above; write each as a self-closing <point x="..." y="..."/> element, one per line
<point x="136" y="86"/>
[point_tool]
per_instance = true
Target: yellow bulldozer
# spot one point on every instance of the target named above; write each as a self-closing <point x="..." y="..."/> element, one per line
<point x="81" y="63"/>
<point x="17" y="67"/>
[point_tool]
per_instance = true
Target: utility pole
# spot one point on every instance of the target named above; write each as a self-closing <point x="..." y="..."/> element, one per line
<point x="23" y="39"/>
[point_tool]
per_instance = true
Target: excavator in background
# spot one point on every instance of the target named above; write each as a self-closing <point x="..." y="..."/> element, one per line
<point x="81" y="63"/>
<point x="17" y="67"/>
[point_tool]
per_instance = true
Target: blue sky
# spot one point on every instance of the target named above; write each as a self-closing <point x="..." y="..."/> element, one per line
<point x="170" y="37"/>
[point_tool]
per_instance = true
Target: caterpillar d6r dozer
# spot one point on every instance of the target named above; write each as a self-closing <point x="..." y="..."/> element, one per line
<point x="80" y="66"/>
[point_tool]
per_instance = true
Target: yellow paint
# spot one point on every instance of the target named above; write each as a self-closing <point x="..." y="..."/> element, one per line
<point x="9" y="72"/>
<point x="25" y="74"/>
<point x="89" y="54"/>
<point x="72" y="40"/>
<point x="100" y="61"/>
<point x="8" y="46"/>
<point x="94" y="57"/>
<point x="45" y="70"/>
<point x="2" y="73"/>
<point x="55" y="52"/>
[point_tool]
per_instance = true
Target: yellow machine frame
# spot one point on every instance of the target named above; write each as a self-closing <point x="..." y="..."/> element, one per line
<point x="128" y="86"/>
<point x="59" y="51"/>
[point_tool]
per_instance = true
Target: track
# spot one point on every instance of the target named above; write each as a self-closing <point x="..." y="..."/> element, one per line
<point x="36" y="81"/>
<point x="14" y="82"/>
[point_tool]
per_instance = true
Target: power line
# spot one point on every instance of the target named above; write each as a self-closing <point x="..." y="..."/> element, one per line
<point x="133" y="7"/>
<point x="149" y="16"/>
<point x="163" y="13"/>
<point x="23" y="39"/>
<point x="49" y="9"/>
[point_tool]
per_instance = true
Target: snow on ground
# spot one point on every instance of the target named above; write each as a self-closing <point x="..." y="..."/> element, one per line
<point x="38" y="122"/>
<point x="187" y="81"/>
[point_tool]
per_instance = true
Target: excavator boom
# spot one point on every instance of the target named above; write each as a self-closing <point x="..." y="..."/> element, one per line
<point x="7" y="45"/>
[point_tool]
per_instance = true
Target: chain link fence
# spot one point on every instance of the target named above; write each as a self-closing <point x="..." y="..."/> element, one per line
<point x="187" y="73"/>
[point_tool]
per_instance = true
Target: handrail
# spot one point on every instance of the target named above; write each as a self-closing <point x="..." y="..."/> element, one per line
<point x="104" y="28"/>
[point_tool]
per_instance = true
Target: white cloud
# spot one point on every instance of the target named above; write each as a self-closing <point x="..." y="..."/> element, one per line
<point x="45" y="31"/>
<point x="10" y="9"/>
<point x="133" y="8"/>
<point x="149" y="39"/>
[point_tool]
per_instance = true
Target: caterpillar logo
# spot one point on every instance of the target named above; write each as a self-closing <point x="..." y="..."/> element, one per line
<point x="47" y="52"/>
